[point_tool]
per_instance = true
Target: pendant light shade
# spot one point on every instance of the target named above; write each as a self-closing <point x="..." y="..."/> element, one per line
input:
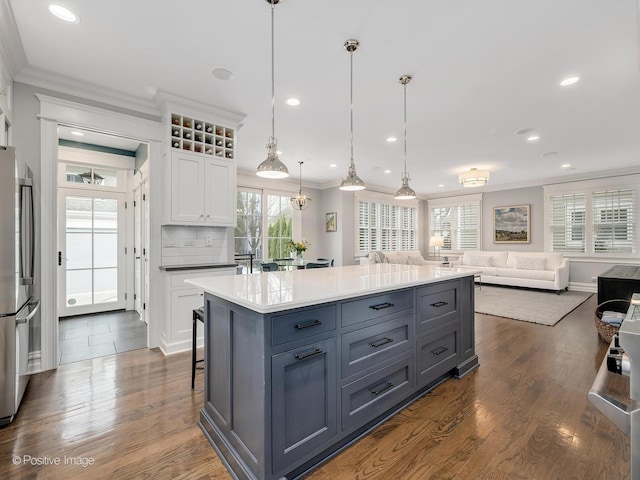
<point x="405" y="192"/>
<point x="272" y="167"/>
<point x="300" y="200"/>
<point x="352" y="182"/>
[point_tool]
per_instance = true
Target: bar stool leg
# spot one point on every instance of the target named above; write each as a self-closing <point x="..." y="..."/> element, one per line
<point x="194" y="330"/>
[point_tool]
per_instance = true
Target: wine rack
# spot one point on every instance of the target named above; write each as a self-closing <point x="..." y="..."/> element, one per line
<point x="193" y="135"/>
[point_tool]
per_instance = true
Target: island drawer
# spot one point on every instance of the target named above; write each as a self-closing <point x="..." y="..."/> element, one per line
<point x="376" y="306"/>
<point x="437" y="305"/>
<point x="437" y="353"/>
<point x="302" y="324"/>
<point x="375" y="393"/>
<point x="369" y="346"/>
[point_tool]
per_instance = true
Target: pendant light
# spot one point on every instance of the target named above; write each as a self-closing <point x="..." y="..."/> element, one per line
<point x="405" y="192"/>
<point x="352" y="182"/>
<point x="272" y="167"/>
<point x="300" y="200"/>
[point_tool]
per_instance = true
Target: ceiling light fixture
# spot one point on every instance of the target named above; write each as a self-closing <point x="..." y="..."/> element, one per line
<point x="64" y="13"/>
<point x="352" y="182"/>
<point x="392" y="139"/>
<point x="474" y="178"/>
<point x="569" y="81"/>
<point x="222" y="73"/>
<point x="405" y="192"/>
<point x="300" y="200"/>
<point x="272" y="167"/>
<point x="292" y="102"/>
<point x="533" y="138"/>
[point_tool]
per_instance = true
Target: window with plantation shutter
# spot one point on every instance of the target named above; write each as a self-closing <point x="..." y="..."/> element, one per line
<point x="458" y="223"/>
<point x="386" y="226"/>
<point x="595" y="221"/>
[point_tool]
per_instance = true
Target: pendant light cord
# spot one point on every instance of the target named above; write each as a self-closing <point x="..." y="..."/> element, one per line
<point x="273" y="76"/>
<point x="405" y="128"/>
<point x="351" y="105"/>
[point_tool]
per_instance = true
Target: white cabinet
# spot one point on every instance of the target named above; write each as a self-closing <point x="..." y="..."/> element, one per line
<point x="202" y="190"/>
<point x="180" y="301"/>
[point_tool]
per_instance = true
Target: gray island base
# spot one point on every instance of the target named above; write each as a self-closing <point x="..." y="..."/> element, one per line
<point x="300" y="364"/>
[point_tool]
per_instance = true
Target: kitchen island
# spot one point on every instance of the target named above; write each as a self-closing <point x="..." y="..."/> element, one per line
<point x="298" y="364"/>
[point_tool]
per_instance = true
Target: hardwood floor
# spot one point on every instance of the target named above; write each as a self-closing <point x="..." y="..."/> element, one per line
<point x="522" y="415"/>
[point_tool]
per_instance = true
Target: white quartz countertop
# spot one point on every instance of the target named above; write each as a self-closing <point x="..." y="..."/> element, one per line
<point x="268" y="292"/>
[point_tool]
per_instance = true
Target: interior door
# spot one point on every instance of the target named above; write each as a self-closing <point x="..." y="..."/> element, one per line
<point x="91" y="256"/>
<point x="137" y="251"/>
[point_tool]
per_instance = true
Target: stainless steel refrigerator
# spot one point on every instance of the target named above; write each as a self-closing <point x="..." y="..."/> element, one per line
<point x="18" y="305"/>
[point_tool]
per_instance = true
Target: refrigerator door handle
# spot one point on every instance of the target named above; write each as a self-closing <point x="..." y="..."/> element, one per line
<point x="27" y="232"/>
<point x="20" y="320"/>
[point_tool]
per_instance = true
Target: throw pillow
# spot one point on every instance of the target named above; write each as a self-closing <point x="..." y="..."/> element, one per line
<point x="530" y="263"/>
<point x="480" y="260"/>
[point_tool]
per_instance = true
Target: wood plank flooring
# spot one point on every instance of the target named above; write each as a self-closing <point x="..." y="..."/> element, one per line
<point x="522" y="415"/>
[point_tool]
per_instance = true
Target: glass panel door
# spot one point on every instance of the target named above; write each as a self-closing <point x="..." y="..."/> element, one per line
<point x="91" y="252"/>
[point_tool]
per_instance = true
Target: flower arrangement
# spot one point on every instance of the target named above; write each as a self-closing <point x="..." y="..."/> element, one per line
<point x="298" y="247"/>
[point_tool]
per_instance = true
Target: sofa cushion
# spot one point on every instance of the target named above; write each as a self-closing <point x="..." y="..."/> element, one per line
<point x="498" y="259"/>
<point x="417" y="260"/>
<point x="553" y="259"/>
<point x="478" y="260"/>
<point x="530" y="263"/>
<point x="396" y="257"/>
<point x="527" y="274"/>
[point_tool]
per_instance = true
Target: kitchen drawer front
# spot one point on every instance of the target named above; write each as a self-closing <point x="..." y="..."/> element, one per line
<point x="437" y="353"/>
<point x="437" y="305"/>
<point x="375" y="393"/>
<point x="369" y="346"/>
<point x="302" y="324"/>
<point x="376" y="306"/>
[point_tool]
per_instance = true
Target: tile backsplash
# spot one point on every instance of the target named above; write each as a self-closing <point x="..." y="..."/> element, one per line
<point x="184" y="245"/>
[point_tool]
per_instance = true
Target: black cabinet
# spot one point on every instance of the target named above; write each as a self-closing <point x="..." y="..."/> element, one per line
<point x="619" y="282"/>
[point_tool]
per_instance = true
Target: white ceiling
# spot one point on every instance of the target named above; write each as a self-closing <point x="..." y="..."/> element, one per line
<point x="482" y="70"/>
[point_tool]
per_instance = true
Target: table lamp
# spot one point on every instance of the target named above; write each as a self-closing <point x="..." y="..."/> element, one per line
<point x="436" y="242"/>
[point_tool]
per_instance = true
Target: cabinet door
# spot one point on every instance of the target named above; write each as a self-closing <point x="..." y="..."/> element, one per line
<point x="183" y="302"/>
<point x="219" y="192"/>
<point x="304" y="401"/>
<point x="187" y="192"/>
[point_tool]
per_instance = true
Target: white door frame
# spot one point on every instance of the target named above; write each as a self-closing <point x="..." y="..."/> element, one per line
<point x="52" y="112"/>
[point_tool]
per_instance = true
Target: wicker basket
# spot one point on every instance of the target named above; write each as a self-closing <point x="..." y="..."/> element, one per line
<point x="606" y="330"/>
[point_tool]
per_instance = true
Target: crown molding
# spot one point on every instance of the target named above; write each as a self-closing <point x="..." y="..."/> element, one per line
<point x="70" y="86"/>
<point x="12" y="55"/>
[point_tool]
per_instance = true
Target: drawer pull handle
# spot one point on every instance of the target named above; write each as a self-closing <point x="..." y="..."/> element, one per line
<point x="383" y="389"/>
<point x="382" y="306"/>
<point x="315" y="323"/>
<point x="317" y="351"/>
<point x="439" y="350"/>
<point x="382" y="342"/>
<point x="439" y="304"/>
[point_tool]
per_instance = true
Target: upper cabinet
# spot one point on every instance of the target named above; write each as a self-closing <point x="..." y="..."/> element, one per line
<point x="200" y="173"/>
<point x="202" y="190"/>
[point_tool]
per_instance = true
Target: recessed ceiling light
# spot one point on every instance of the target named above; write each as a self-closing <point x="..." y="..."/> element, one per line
<point x="392" y="139"/>
<point x="64" y="13"/>
<point x="533" y="138"/>
<point x="332" y="165"/>
<point x="569" y="81"/>
<point x="441" y="185"/>
<point x="292" y="102"/>
<point x="222" y="73"/>
<point x="565" y="165"/>
<point x="77" y="133"/>
<point x="387" y="171"/>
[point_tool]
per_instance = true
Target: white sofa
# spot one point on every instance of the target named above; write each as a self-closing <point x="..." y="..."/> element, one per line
<point x="545" y="270"/>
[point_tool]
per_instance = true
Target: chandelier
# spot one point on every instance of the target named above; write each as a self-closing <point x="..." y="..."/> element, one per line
<point x="300" y="200"/>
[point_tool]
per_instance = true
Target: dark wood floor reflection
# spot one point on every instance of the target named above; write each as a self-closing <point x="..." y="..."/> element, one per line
<point x="522" y="415"/>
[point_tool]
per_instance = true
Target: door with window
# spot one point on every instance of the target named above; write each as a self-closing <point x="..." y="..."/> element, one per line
<point x="91" y="256"/>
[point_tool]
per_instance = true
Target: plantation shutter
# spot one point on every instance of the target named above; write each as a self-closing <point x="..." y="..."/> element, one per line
<point x="467" y="235"/>
<point x="568" y="223"/>
<point x="441" y="225"/>
<point x="613" y="214"/>
<point x="386" y="226"/>
<point x="364" y="239"/>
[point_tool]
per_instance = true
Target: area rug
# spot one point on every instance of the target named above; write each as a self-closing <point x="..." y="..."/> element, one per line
<point x="536" y="306"/>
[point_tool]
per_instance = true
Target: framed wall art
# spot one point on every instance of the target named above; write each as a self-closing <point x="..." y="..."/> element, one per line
<point x="331" y="221"/>
<point x="512" y="224"/>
